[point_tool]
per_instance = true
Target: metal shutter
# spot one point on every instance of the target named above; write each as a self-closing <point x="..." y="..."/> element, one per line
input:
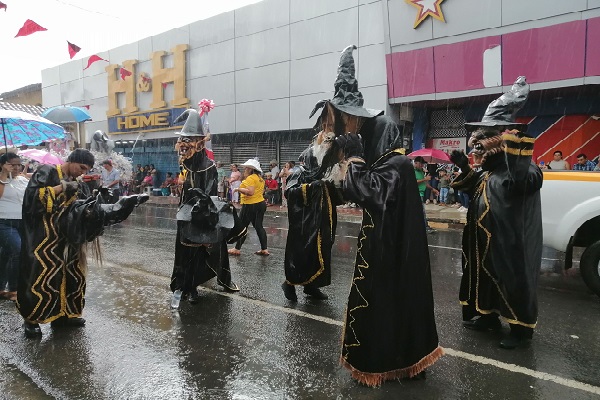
<point x="264" y="150"/>
<point x="447" y="124"/>
<point x="222" y="153"/>
<point x="290" y="150"/>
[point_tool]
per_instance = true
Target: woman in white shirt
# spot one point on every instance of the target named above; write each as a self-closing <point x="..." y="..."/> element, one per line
<point x="12" y="189"/>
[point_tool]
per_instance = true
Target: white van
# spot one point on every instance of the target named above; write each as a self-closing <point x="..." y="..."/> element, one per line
<point x="571" y="218"/>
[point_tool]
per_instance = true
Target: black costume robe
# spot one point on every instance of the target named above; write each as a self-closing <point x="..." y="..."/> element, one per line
<point x="390" y="329"/>
<point x="502" y="240"/>
<point x="312" y="221"/>
<point x="196" y="263"/>
<point x="52" y="273"/>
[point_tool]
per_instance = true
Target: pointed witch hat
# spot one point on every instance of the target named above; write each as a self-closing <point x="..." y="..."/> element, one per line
<point x="193" y="123"/>
<point x="347" y="97"/>
<point x="503" y="110"/>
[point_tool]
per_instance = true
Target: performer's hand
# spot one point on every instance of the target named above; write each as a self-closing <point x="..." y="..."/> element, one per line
<point x="351" y="144"/>
<point x="69" y="187"/>
<point x="459" y="158"/>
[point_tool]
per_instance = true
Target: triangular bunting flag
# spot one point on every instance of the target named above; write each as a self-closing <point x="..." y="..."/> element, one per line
<point x="124" y="73"/>
<point x="29" y="27"/>
<point x="93" y="59"/>
<point x="87" y="106"/>
<point x="73" y="49"/>
<point x="2" y="5"/>
<point x="164" y="85"/>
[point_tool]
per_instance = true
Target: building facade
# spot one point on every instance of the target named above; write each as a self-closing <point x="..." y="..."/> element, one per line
<point x="265" y="66"/>
<point x="430" y="65"/>
<point x="446" y="71"/>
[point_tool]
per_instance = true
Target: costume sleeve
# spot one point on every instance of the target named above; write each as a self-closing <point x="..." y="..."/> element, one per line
<point x="40" y="196"/>
<point x="211" y="181"/>
<point x="523" y="176"/>
<point x="378" y="185"/>
<point x="466" y="181"/>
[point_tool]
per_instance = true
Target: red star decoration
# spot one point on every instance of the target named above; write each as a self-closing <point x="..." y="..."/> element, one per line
<point x="427" y="8"/>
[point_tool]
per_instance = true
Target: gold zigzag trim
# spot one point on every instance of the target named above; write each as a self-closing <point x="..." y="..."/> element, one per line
<point x="359" y="267"/>
<point x="398" y="151"/>
<point x="319" y="243"/>
<point x="304" y="194"/>
<point x="480" y="261"/>
<point x="330" y="209"/>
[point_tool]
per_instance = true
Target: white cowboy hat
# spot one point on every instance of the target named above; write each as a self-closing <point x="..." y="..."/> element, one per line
<point x="252" y="163"/>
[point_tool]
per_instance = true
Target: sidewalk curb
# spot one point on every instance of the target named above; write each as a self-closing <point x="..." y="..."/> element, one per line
<point x="343" y="214"/>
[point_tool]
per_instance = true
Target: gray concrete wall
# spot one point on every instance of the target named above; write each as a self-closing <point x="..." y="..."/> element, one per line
<point x="470" y="19"/>
<point x="264" y="65"/>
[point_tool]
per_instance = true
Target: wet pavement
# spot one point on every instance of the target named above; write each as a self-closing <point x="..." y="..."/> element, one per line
<point x="256" y="345"/>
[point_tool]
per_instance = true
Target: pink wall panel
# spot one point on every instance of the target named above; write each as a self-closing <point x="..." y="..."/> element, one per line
<point x="544" y="54"/>
<point x="411" y="73"/>
<point x="459" y="66"/>
<point x="592" y="59"/>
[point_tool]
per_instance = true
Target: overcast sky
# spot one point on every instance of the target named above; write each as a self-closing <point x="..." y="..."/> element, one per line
<point x="93" y="25"/>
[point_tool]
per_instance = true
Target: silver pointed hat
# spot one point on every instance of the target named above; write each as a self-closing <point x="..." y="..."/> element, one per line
<point x="503" y="110"/>
<point x="193" y="123"/>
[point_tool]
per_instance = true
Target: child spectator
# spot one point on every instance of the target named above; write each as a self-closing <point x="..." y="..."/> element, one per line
<point x="444" y="185"/>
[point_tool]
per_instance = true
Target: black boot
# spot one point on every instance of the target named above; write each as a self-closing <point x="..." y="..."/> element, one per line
<point x="231" y="288"/>
<point x="520" y="336"/>
<point x="32" y="330"/>
<point x="315" y="292"/>
<point x="66" y="322"/>
<point x="487" y="322"/>
<point x="194" y="297"/>
<point x="289" y="291"/>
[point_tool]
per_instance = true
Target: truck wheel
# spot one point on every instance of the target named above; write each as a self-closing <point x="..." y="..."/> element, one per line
<point x="590" y="267"/>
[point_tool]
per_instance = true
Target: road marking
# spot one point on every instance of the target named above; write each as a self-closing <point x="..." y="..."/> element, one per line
<point x="525" y="371"/>
<point x="449" y="351"/>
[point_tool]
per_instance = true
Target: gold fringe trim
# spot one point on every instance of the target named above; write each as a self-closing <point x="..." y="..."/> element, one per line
<point x="376" y="379"/>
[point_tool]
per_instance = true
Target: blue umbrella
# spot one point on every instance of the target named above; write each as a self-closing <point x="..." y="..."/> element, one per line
<point x="66" y="114"/>
<point x="20" y="128"/>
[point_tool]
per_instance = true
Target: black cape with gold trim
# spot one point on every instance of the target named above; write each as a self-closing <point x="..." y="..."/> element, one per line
<point x="196" y="263"/>
<point x="502" y="240"/>
<point x="52" y="274"/>
<point x="390" y="330"/>
<point x="312" y="221"/>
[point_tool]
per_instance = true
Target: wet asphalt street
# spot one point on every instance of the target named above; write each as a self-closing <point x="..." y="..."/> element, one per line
<point x="256" y="345"/>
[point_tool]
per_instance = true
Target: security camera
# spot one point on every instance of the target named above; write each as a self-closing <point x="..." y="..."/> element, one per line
<point x="596" y="117"/>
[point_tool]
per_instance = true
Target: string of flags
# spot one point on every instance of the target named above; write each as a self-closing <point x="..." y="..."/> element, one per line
<point x="30" y="27"/>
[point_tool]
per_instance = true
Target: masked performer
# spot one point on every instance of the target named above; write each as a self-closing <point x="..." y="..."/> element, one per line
<point x="201" y="242"/>
<point x="312" y="199"/>
<point x="502" y="240"/>
<point x="59" y="218"/>
<point x="390" y="330"/>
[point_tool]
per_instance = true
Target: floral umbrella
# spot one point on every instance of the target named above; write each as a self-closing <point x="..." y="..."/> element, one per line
<point x="20" y="128"/>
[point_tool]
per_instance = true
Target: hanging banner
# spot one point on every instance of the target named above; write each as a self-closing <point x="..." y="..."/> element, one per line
<point x="449" y="144"/>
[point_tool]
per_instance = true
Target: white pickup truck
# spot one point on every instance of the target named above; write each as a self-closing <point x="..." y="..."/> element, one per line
<point x="571" y="218"/>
